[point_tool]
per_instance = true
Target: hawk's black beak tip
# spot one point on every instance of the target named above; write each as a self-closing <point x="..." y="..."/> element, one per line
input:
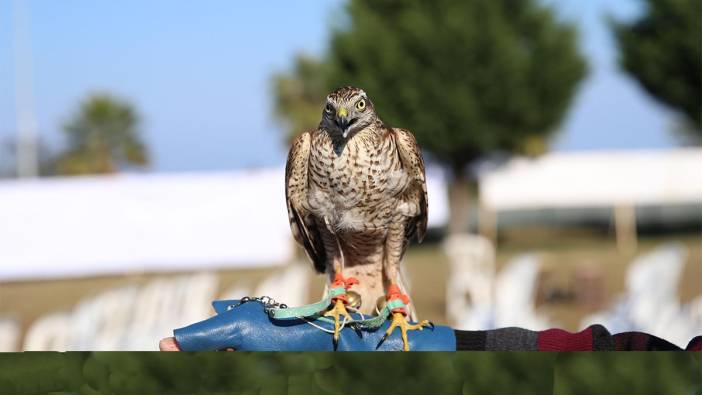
<point x="344" y="124"/>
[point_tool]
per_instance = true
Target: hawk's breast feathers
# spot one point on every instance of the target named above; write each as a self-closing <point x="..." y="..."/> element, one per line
<point x="376" y="179"/>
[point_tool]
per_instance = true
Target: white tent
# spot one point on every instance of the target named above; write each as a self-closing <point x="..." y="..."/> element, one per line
<point x="595" y="178"/>
<point x="617" y="179"/>
<point x="79" y="226"/>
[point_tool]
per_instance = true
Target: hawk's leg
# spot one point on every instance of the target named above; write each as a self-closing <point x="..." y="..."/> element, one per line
<point x="399" y="316"/>
<point x="397" y="301"/>
<point x="339" y="285"/>
<point x="339" y="301"/>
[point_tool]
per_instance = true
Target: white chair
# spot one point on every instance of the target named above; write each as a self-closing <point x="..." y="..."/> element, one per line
<point x="9" y="335"/>
<point x="469" y="288"/>
<point x="167" y="303"/>
<point x="51" y="332"/>
<point x="111" y="313"/>
<point x="652" y="283"/>
<point x="515" y="294"/>
<point x="650" y="302"/>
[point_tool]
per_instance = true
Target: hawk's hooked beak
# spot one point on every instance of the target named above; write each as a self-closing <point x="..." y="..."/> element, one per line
<point x="343" y="121"/>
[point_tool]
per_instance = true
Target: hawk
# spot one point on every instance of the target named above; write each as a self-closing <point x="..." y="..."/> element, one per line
<point x="356" y="195"/>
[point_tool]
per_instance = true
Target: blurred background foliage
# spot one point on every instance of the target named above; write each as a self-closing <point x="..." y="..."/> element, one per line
<point x="300" y="94"/>
<point x="628" y="373"/>
<point x="466" y="90"/>
<point x="327" y="373"/>
<point x="102" y="137"/>
<point x="662" y="51"/>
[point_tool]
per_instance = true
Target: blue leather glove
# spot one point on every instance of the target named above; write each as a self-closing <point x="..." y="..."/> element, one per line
<point x="247" y="327"/>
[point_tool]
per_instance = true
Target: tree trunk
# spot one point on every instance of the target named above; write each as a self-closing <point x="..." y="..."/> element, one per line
<point x="459" y="202"/>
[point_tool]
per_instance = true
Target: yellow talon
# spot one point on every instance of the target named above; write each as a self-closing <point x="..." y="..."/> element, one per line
<point x="336" y="312"/>
<point x="398" y="320"/>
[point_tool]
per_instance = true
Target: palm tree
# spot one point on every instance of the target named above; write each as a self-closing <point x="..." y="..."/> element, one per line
<point x="102" y="137"/>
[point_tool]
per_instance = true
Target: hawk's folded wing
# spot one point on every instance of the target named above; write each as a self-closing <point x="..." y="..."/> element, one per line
<point x="302" y="225"/>
<point x="413" y="164"/>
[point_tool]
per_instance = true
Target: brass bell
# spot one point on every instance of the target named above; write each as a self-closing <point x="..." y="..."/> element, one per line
<point x="354" y="299"/>
<point x="380" y="304"/>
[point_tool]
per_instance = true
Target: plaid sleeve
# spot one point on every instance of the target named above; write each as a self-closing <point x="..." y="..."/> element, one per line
<point x="592" y="338"/>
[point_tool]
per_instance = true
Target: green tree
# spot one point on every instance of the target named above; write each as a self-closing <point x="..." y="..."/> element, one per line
<point x="102" y="137"/>
<point x="300" y="94"/>
<point x="662" y="50"/>
<point x="468" y="78"/>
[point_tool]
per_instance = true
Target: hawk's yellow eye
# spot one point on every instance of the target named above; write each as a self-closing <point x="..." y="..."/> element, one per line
<point x="361" y="105"/>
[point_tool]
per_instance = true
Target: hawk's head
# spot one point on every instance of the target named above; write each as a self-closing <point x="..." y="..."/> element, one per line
<point x="347" y="111"/>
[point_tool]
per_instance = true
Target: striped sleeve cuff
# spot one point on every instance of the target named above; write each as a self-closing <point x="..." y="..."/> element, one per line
<point x="592" y="338"/>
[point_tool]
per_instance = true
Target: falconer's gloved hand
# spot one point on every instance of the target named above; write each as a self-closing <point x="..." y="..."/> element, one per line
<point x="248" y="327"/>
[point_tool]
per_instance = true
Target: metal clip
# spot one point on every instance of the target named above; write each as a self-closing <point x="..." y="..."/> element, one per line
<point x="267" y="302"/>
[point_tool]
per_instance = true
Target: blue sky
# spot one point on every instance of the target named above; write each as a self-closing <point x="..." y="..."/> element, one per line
<point x="199" y="73"/>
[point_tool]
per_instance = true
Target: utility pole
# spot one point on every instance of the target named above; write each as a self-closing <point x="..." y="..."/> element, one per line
<point x="27" y="141"/>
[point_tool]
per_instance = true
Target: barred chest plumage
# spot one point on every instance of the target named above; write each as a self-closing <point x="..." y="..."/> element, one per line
<point x="356" y="188"/>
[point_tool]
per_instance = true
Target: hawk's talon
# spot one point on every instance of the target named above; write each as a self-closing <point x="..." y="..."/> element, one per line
<point x="356" y="328"/>
<point x="385" y="336"/>
<point x="398" y="320"/>
<point x="337" y="312"/>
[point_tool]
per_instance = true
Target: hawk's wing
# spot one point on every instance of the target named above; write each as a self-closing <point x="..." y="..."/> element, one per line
<point x="302" y="224"/>
<point x="413" y="164"/>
